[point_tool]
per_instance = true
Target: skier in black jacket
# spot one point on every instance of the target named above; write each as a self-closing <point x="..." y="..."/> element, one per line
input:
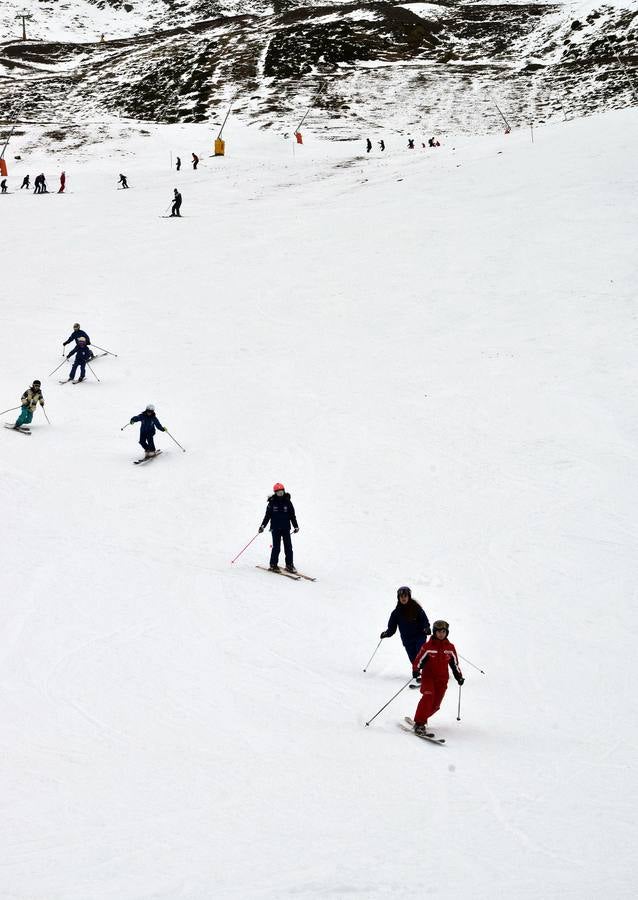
<point x="281" y="514"/>
<point x="75" y="335"/>
<point x="82" y="354"/>
<point x="413" y="624"/>
<point x="147" y="430"/>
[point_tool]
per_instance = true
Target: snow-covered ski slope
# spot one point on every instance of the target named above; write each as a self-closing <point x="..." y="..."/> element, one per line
<point x="435" y="352"/>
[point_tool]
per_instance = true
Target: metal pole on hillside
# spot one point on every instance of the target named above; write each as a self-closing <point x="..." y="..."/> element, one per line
<point x="224" y="122"/>
<point x="314" y="100"/>
<point x="507" y="124"/>
<point x="24" y="17"/>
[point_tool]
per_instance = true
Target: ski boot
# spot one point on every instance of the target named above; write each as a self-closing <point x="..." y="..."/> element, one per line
<point x="291" y="569"/>
<point x="274" y="568"/>
<point x="420" y="729"/>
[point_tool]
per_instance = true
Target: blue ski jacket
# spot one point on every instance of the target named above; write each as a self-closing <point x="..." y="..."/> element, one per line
<point x="412" y="622"/>
<point x="82" y="354"/>
<point x="75" y="336"/>
<point x="280" y="513"/>
<point x="149" y="423"/>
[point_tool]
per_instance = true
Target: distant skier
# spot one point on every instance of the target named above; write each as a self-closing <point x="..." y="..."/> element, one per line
<point x="83" y="354"/>
<point x="195" y="160"/>
<point x="382" y="145"/>
<point x="62" y="182"/>
<point x="433" y="142"/>
<point x="123" y="181"/>
<point x="25" y="182"/>
<point x="37" y="184"/>
<point x="149" y="422"/>
<point x="434" y="659"/>
<point x="177" y="204"/>
<point x="368" y="145"/>
<point x="76" y="336"/>
<point x="281" y="514"/>
<point x="410" y="143"/>
<point x="29" y="401"/>
<point x="178" y="164"/>
<point x="412" y="622"/>
<point x="3" y="185"/>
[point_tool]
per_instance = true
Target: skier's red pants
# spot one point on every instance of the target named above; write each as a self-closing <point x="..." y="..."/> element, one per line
<point x="432" y="694"/>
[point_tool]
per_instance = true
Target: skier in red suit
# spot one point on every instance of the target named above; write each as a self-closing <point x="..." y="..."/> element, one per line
<point x="62" y="183"/>
<point x="434" y="659"/>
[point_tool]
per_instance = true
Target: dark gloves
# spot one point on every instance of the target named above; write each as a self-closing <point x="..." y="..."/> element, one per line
<point x="383" y="634"/>
<point x="296" y="529"/>
<point x="131" y="422"/>
<point x="460" y="681"/>
<point x="261" y="528"/>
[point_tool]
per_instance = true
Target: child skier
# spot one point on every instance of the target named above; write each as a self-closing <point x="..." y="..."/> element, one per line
<point x="281" y="514"/>
<point x="412" y="622"/>
<point x="30" y="399"/>
<point x="83" y="354"/>
<point x="149" y="422"/>
<point x="433" y="660"/>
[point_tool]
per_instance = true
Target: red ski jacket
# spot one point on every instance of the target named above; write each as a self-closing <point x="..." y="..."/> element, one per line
<point x="435" y="656"/>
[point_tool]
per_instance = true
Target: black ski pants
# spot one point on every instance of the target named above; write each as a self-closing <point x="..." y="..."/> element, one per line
<point x="147" y="442"/>
<point x="74" y="369"/>
<point x="277" y="538"/>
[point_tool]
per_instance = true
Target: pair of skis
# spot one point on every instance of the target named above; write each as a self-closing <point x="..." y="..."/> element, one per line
<point x="296" y="576"/>
<point x="22" y="428"/>
<point x="425" y="736"/>
<point x="146" y="459"/>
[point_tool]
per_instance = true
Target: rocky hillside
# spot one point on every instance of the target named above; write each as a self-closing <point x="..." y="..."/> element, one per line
<point x="409" y="67"/>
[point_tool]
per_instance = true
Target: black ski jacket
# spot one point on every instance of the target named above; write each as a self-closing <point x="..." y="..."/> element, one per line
<point x="149" y="422"/>
<point x="75" y="337"/>
<point x="280" y="513"/>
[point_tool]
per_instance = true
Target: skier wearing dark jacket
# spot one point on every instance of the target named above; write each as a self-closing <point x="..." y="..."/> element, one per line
<point x="413" y="624"/>
<point x="82" y="354"/>
<point x="281" y="514"/>
<point x="435" y="658"/>
<point x="149" y="422"/>
<point x="76" y="334"/>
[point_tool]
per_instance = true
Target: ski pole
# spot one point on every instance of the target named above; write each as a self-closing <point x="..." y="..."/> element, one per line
<point x="458" y="714"/>
<point x="125" y="426"/>
<point x="471" y="664"/>
<point x="245" y="548"/>
<point x="389" y="701"/>
<point x="94" y="375"/>
<point x="372" y="657"/>
<point x="173" y="439"/>
<point x="9" y="410"/>
<point x="56" y="368"/>
<point x="45" y="415"/>
<point x="110" y="352"/>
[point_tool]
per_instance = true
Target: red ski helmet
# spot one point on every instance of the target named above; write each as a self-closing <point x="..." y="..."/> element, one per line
<point x="278" y="487"/>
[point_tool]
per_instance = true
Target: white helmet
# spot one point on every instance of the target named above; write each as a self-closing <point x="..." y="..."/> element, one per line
<point x="150" y="408"/>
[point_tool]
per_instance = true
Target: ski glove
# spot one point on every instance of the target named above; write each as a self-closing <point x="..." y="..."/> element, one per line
<point x="383" y="634"/>
<point x="460" y="681"/>
<point x="296" y="530"/>
<point x="261" y="528"/>
<point x="131" y="422"/>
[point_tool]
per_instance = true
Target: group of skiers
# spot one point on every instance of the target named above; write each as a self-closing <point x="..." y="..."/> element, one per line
<point x="432" y="142"/>
<point x="39" y="185"/>
<point x="430" y="652"/>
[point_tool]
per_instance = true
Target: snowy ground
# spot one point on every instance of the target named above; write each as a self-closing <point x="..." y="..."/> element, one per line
<point x="435" y="352"/>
